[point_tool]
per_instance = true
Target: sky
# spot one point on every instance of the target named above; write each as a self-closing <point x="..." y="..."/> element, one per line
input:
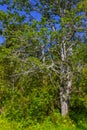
<point x="35" y="15"/>
<point x="4" y="8"/>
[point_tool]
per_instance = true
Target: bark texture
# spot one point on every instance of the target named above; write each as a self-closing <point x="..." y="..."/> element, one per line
<point x="65" y="82"/>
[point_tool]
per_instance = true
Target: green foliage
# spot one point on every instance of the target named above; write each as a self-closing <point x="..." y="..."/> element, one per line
<point x="6" y="125"/>
<point x="33" y="103"/>
<point x="52" y="122"/>
<point x="29" y="88"/>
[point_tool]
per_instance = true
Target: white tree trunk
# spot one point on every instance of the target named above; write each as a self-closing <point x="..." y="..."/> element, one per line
<point x="65" y="82"/>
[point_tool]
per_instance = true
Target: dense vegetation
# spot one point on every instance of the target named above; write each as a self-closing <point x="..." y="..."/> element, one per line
<point x="43" y="65"/>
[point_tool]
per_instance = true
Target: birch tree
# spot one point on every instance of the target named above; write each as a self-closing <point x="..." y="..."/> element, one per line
<point x="70" y="22"/>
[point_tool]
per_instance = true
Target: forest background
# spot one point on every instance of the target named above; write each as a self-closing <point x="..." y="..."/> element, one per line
<point x="43" y="65"/>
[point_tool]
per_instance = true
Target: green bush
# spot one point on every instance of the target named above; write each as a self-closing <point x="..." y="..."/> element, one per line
<point x="35" y="105"/>
<point x="53" y="122"/>
<point x="5" y="124"/>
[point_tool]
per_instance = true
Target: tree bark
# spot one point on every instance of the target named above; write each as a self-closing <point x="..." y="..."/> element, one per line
<point x="44" y="80"/>
<point x="65" y="82"/>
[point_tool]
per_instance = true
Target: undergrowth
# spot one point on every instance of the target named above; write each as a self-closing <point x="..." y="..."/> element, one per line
<point x="52" y="122"/>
